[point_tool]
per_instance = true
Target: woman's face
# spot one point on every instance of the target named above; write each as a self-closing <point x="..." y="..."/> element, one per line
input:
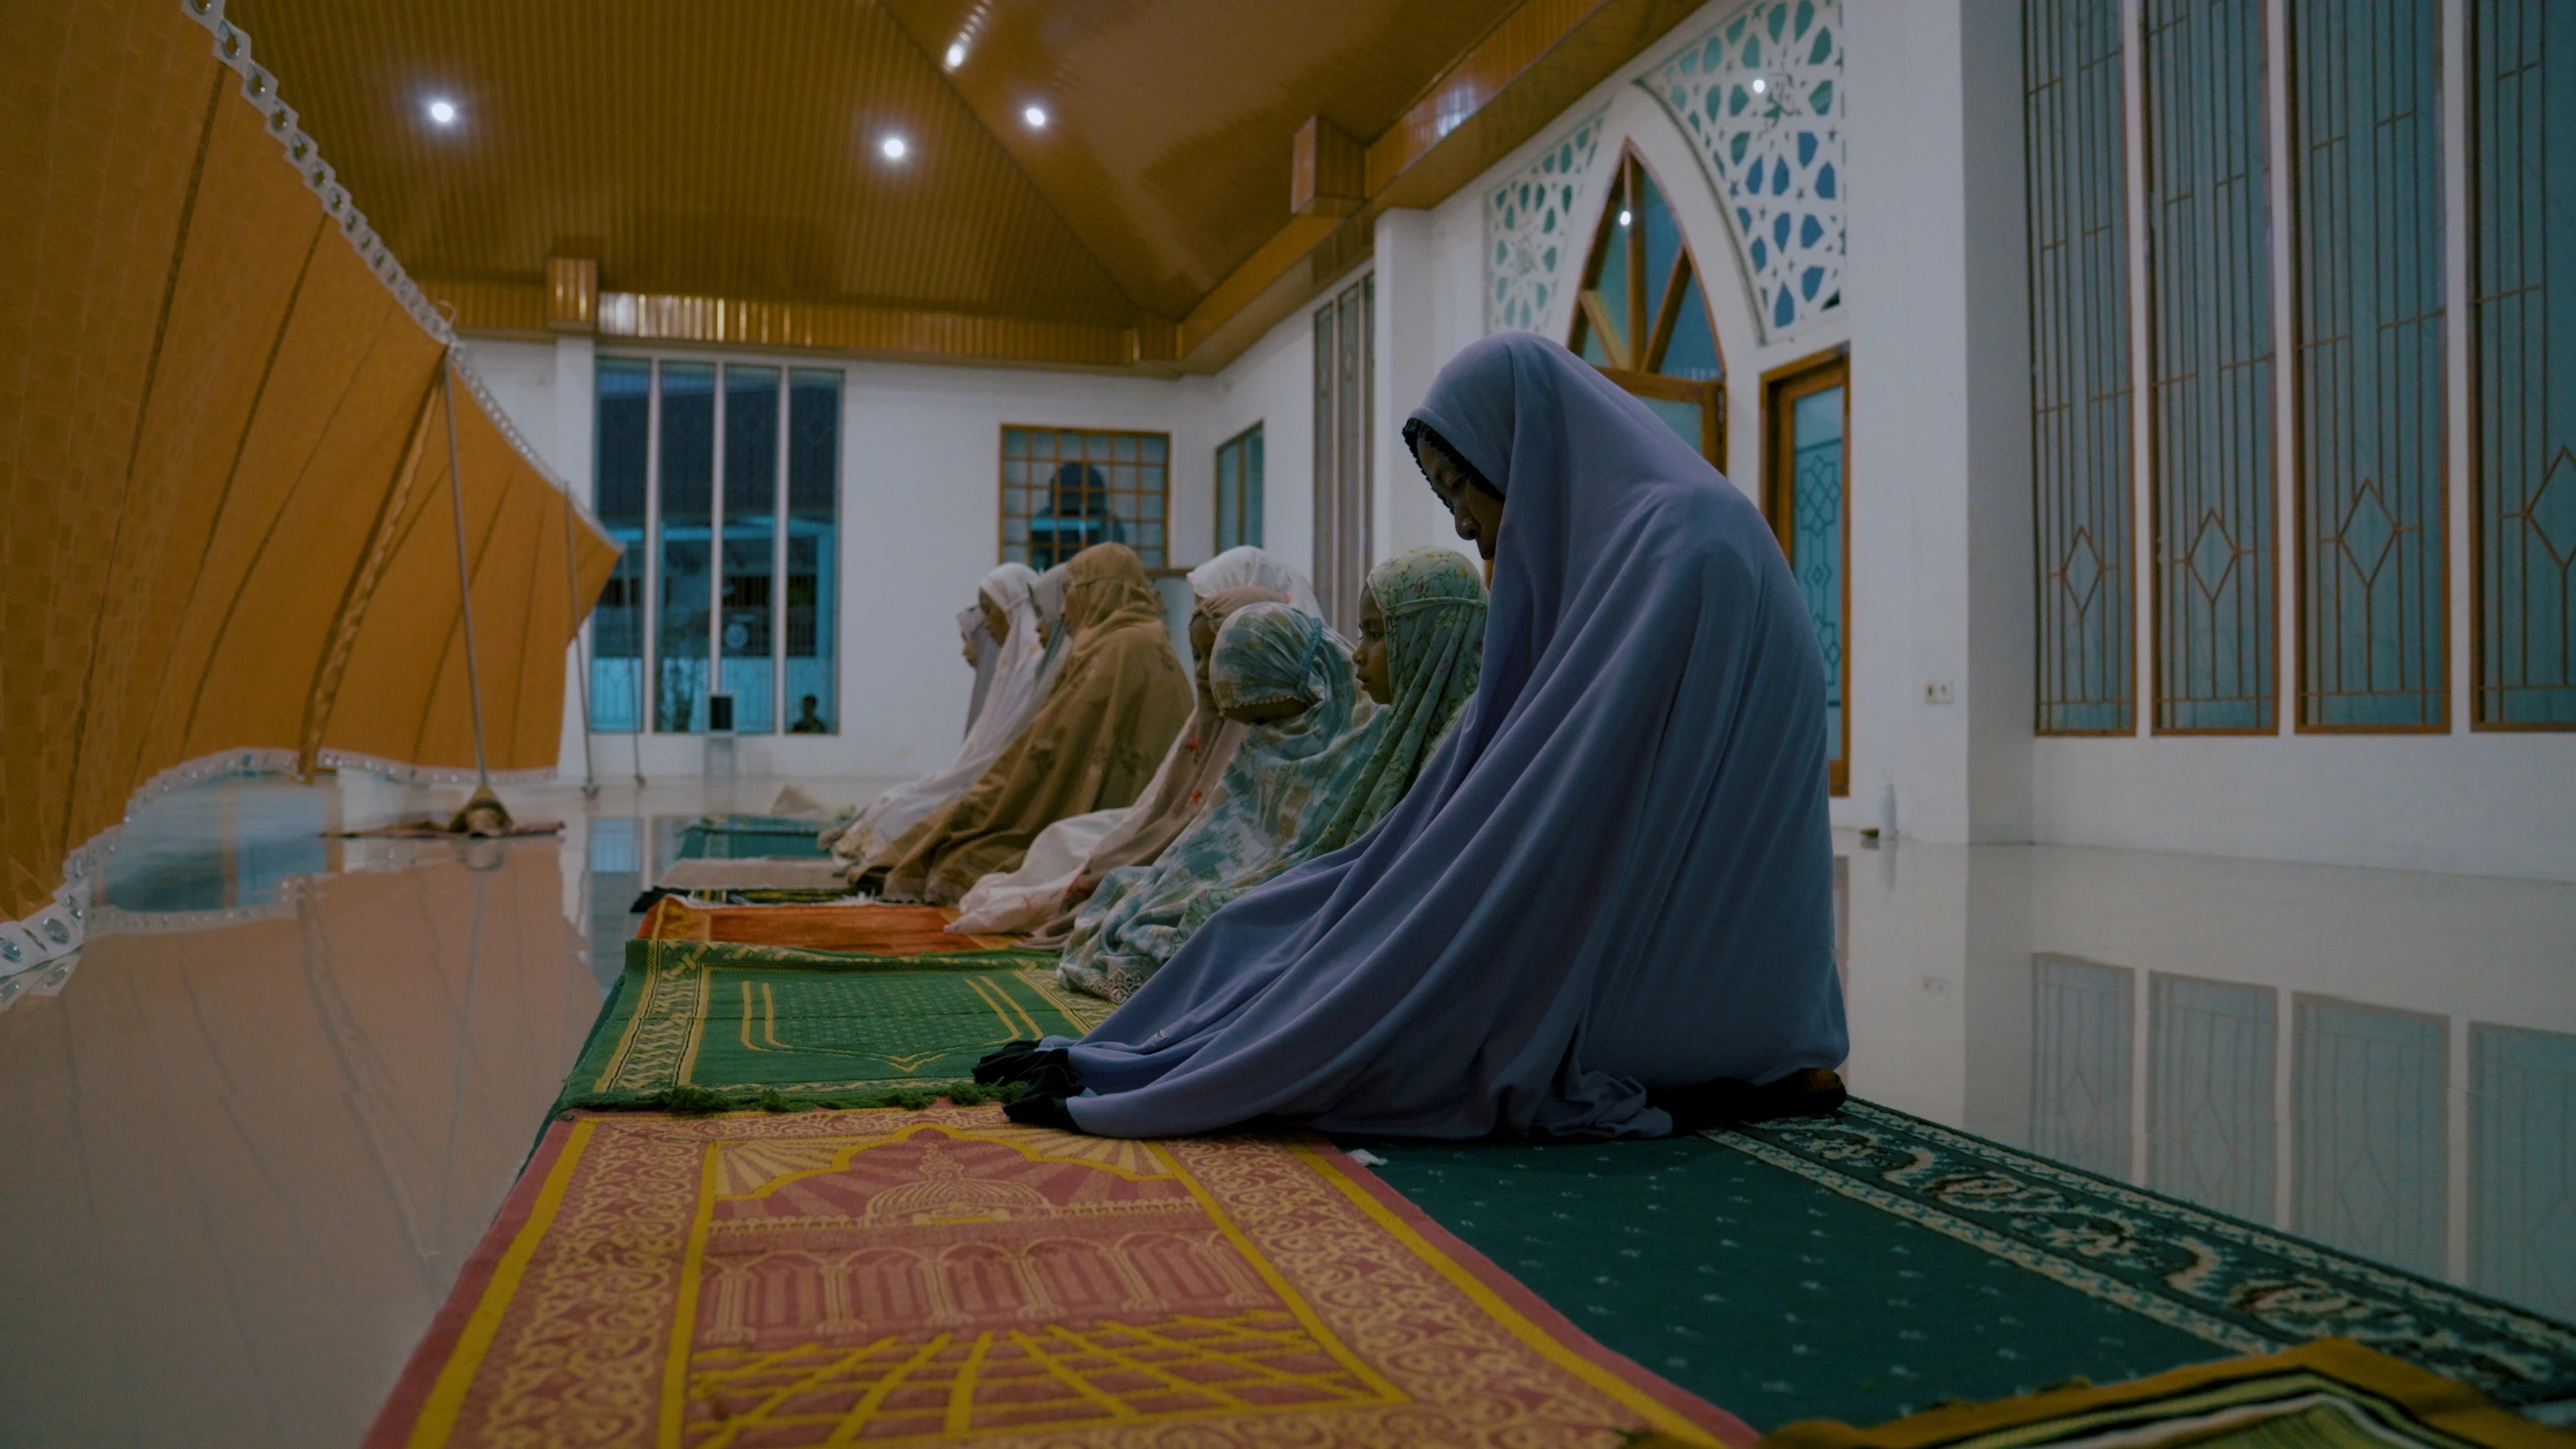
<point x="1477" y="514"/>
<point x="997" y="625"/>
<point x="1377" y="676"/>
<point x="1202" y="645"/>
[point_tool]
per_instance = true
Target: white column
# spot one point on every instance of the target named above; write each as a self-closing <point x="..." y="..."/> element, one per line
<point x="1407" y="513"/>
<point x="574" y="438"/>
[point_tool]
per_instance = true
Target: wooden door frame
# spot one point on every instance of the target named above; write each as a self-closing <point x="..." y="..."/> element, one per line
<point x="1782" y="386"/>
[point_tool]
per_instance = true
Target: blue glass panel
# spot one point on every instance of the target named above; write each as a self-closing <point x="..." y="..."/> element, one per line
<point x="1817" y="536"/>
<point x="2081" y="1015"/>
<point x="2217" y="649"/>
<point x="2209" y="1093"/>
<point x="2367" y="77"/>
<point x="811" y="657"/>
<point x="1229" y="494"/>
<point x="1663" y="242"/>
<point x="1680" y="416"/>
<point x="1253" y="449"/>
<point x="623" y="427"/>
<point x="745" y="635"/>
<point x="1612" y="281"/>
<point x="2522" y="104"/>
<point x="1692" y="349"/>
<point x="2080" y="435"/>
<point x="682" y="618"/>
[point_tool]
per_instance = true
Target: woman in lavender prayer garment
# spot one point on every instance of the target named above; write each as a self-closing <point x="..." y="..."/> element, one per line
<point x="1604" y="909"/>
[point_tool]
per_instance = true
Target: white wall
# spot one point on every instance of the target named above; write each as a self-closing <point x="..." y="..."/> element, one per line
<point x="1935" y="318"/>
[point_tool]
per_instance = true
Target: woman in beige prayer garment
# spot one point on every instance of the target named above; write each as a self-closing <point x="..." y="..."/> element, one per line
<point x="1094" y="744"/>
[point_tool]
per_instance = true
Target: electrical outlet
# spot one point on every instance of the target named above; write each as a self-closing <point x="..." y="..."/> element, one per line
<point x="1937" y="987"/>
<point x="1937" y="691"/>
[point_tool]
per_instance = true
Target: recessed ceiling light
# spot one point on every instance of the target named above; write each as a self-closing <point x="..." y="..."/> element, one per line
<point x="956" y="54"/>
<point x="1760" y="85"/>
<point x="443" y="112"/>
<point x="894" y="147"/>
<point x="1036" y="116"/>
<point x="1623" y="216"/>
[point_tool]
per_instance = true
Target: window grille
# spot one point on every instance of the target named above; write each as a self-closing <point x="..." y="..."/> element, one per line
<point x="1643" y="319"/>
<point x="1065" y="489"/>
<point x="2080" y="397"/>
<point x="2522" y="276"/>
<point x="1807" y="496"/>
<point x="1345" y="385"/>
<point x="2373" y="596"/>
<point x="1238" y="490"/>
<point x="2211" y="333"/>
<point x="695" y="461"/>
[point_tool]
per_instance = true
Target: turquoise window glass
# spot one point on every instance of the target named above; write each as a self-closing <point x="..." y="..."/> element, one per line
<point x="623" y="424"/>
<point x="1816" y="536"/>
<point x="684" y="596"/>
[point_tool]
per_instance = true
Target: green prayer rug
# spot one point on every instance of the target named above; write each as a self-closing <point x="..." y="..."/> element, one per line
<point x="742" y="837"/>
<point x="1872" y="1264"/>
<point x="769" y="1024"/>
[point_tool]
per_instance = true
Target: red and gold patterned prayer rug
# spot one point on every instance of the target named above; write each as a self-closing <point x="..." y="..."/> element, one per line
<point x="876" y="930"/>
<point x="946" y="1275"/>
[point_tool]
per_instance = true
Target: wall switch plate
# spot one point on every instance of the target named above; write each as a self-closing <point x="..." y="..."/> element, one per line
<point x="1938" y="691"/>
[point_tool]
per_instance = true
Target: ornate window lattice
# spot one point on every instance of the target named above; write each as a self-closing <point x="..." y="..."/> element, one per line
<point x="2079" y="345"/>
<point x="2522" y="104"/>
<point x="2522" y="1137"/>
<point x="2368" y="1126"/>
<point x="1642" y="316"/>
<point x="2081" y="1014"/>
<point x="1761" y="97"/>
<point x="1065" y="489"/>
<point x="2209" y="1093"/>
<point x="712" y="476"/>
<point x="2211" y="331"/>
<point x="1806" y="408"/>
<point x="1529" y="228"/>
<point x="2373" y="599"/>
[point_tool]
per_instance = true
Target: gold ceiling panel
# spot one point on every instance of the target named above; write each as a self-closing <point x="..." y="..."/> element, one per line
<point x="1167" y="144"/>
<point x="708" y="147"/>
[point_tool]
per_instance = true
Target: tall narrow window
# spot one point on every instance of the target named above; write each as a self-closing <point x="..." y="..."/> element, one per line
<point x="2522" y="259"/>
<point x="1345" y="333"/>
<point x="2211" y="332"/>
<point x="1065" y="489"/>
<point x="2079" y="374"/>
<point x="695" y="462"/>
<point x="1805" y="408"/>
<point x="1643" y="319"/>
<point x="809" y="609"/>
<point x="2373" y="598"/>
<point x="624" y="457"/>
<point x="1238" y="490"/>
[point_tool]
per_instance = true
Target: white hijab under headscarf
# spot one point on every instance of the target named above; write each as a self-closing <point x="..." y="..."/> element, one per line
<point x="1023" y="670"/>
<point x="1248" y="567"/>
<point x="1025" y="899"/>
<point x="983" y="649"/>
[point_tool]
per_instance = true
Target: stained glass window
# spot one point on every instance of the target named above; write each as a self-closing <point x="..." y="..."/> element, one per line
<point x="2211" y="333"/>
<point x="1065" y="489"/>
<point x="1809" y="504"/>
<point x="1642" y="317"/>
<point x="2373" y="615"/>
<point x="2522" y="264"/>
<point x="2080" y="396"/>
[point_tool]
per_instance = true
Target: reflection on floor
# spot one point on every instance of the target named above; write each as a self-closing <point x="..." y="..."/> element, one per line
<point x="253" y="1135"/>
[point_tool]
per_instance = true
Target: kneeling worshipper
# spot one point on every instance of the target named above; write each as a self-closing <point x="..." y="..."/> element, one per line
<point x="1069" y="857"/>
<point x="1317" y="767"/>
<point x="1092" y="746"/>
<point x="1605" y="908"/>
<point x="1009" y="606"/>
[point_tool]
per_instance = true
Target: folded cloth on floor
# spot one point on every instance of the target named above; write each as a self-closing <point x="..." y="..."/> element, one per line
<point x="944" y="1274"/>
<point x="2330" y="1394"/>
<point x="738" y="836"/>
<point x="877" y="930"/>
<point x="756" y="872"/>
<point x="698" y="1022"/>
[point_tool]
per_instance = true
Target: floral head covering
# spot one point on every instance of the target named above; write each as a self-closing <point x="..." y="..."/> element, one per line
<point x="1434" y="602"/>
<point x="1266" y="653"/>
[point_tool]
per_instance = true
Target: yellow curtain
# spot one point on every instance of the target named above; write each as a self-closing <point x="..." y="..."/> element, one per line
<point x="225" y="525"/>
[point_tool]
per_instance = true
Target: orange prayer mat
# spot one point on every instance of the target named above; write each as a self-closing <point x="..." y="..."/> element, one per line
<point x="885" y="1277"/>
<point x="871" y="929"/>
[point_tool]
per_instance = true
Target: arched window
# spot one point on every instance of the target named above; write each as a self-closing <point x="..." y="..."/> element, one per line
<point x="1642" y="316"/>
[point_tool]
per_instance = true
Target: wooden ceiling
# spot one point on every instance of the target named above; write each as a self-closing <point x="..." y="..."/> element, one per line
<point x="729" y="148"/>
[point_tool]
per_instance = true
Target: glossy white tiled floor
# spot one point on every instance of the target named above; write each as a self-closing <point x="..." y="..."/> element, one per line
<point x="252" y="1137"/>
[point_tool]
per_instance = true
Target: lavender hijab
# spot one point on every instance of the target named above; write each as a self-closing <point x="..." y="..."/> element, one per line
<point x="1614" y="874"/>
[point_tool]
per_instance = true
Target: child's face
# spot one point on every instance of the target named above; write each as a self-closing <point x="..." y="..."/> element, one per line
<point x="1202" y="644"/>
<point x="1377" y="675"/>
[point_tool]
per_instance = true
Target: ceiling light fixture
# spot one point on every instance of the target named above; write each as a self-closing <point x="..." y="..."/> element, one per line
<point x="894" y="147"/>
<point x="1623" y="216"/>
<point x="442" y="112"/>
<point x="956" y="54"/>
<point x="1036" y="116"/>
<point x="1760" y="84"/>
